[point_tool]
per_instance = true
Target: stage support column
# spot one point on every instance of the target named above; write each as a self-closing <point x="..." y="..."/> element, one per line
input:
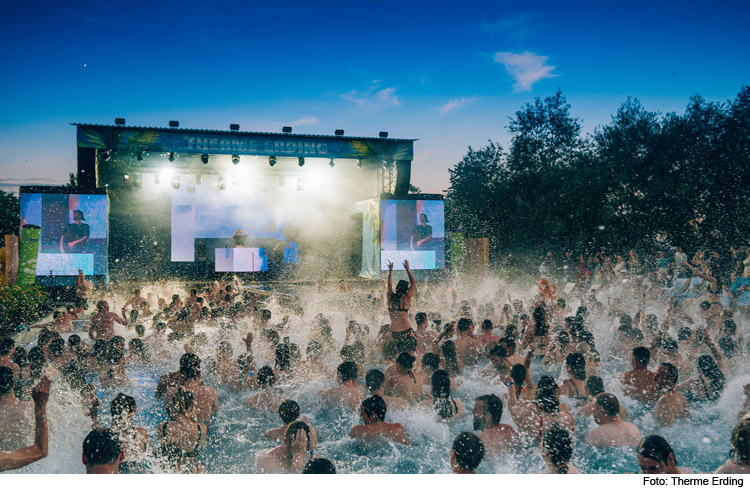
<point x="87" y="167"/>
<point x="403" y="178"/>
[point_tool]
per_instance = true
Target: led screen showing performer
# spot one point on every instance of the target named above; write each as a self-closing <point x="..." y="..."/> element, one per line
<point x="72" y="232"/>
<point x="412" y="230"/>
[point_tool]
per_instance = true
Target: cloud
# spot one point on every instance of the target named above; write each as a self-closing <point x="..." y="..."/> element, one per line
<point x="306" y="121"/>
<point x="518" y="26"/>
<point x="526" y="69"/>
<point x="373" y="98"/>
<point x="455" y="104"/>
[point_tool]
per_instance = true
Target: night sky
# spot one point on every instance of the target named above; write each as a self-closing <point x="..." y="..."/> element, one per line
<point x="448" y="74"/>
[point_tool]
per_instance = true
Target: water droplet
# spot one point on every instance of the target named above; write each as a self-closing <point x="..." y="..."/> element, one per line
<point x="707" y="440"/>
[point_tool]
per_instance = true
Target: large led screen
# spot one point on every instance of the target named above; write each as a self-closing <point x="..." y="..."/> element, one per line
<point x="71" y="230"/>
<point x="412" y="230"/>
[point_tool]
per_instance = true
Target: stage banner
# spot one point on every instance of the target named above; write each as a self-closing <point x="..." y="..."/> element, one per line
<point x="127" y="139"/>
<point x="370" y="210"/>
<point x="28" y="254"/>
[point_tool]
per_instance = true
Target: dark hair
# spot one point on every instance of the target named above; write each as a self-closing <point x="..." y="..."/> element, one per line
<point x="518" y="374"/>
<point x="469" y="451"/>
<point x="266" y="376"/>
<point x="655" y="448"/>
<point x="314" y="349"/>
<point x="608" y="403"/>
<point x="283" y="357"/>
<point x="594" y="385"/>
<point x="420" y="318"/>
<point x="407" y="344"/>
<point x="190" y="366"/>
<point x="319" y="466"/>
<point x="546" y="399"/>
<point x="509" y="330"/>
<point x="487" y="324"/>
<point x="672" y="374"/>
<point x="402" y="287"/>
<point x="21" y="357"/>
<point x="292" y="430"/>
<point x="451" y="362"/>
<point x="684" y="334"/>
<point x="540" y="321"/>
<point x="556" y="442"/>
<point x="498" y="351"/>
<point x="431" y="360"/>
<point x="741" y="443"/>
<point x="577" y="365"/>
<point x="727" y="346"/>
<point x="375" y="404"/>
<point x="390" y="350"/>
<point x="374" y="379"/>
<point x="441" y="392"/>
<point x="563" y="338"/>
<point x="6" y="380"/>
<point x="642" y="356"/>
<point x="121" y="405"/>
<point x="713" y="373"/>
<point x="6" y="345"/>
<point x="348" y="371"/>
<point x="102" y="446"/>
<point x="463" y="324"/>
<point x="289" y="411"/>
<point x="56" y="347"/>
<point x="492" y="405"/>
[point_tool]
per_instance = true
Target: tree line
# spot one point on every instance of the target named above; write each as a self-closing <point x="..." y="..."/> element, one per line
<point x="644" y="178"/>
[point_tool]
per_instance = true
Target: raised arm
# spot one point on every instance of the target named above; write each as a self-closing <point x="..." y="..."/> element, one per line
<point x="389" y="291"/>
<point x="412" y="282"/>
<point x="24" y="456"/>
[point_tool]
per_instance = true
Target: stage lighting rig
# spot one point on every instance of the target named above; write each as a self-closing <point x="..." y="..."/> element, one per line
<point x="272" y="161"/>
<point x="301" y="161"/>
<point x="171" y="156"/>
<point x="204" y="158"/>
<point x="235" y="159"/>
<point x="176" y="182"/>
<point x="138" y="180"/>
<point x="331" y="163"/>
<point x="222" y="183"/>
<point x="198" y="179"/>
<point x="191" y="187"/>
<point x="139" y="156"/>
<point x="359" y="163"/>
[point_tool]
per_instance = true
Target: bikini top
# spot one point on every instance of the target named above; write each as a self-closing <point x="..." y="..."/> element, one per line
<point x="196" y="449"/>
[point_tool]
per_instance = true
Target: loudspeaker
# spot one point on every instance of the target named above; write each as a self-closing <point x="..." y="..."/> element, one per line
<point x="403" y="178"/>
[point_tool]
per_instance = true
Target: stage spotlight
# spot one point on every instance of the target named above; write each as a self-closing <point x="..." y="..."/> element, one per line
<point x="176" y="182"/>
<point x="301" y="161"/>
<point x="204" y="158"/>
<point x="127" y="177"/>
<point x="198" y="179"/>
<point x="119" y="121"/>
<point x="282" y="180"/>
<point x="157" y="178"/>
<point x="171" y="156"/>
<point x="235" y="159"/>
<point x="222" y="183"/>
<point x="286" y="129"/>
<point x="191" y="187"/>
<point x="138" y="181"/>
<point x="272" y="161"/>
<point x="174" y="123"/>
<point x="339" y="132"/>
<point x="140" y="155"/>
<point x="105" y="155"/>
<point x="359" y="163"/>
<point x="234" y="127"/>
<point x="331" y="163"/>
<point x="383" y="134"/>
<point x="300" y="184"/>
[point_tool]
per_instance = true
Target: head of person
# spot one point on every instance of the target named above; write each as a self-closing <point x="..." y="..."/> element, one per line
<point x="406" y="361"/>
<point x="421" y="319"/>
<point x="374" y="380"/>
<point x="431" y="361"/>
<point x="449" y="353"/>
<point x="557" y="447"/>
<point x="390" y="350"/>
<point x="641" y="357"/>
<point x="606" y="405"/>
<point x="292" y="430"/>
<point x="497" y="355"/>
<point x="510" y="331"/>
<point x="710" y="370"/>
<point x="6" y="380"/>
<point x="102" y="447"/>
<point x="518" y="374"/>
<point x="347" y="371"/>
<point x="407" y="344"/>
<point x="123" y="409"/>
<point x="283" y="357"/>
<point x="78" y="215"/>
<point x="20" y="357"/>
<point x="402" y="287"/>
<point x="576" y="365"/>
<point x="488" y="411"/>
<point x="289" y="411"/>
<point x="190" y="366"/>
<point x="467" y="452"/>
<point x="464" y="325"/>
<point x="740" y="440"/>
<point x="373" y="409"/>
<point x="594" y="385"/>
<point x="6" y="345"/>
<point x="441" y="384"/>
<point x="319" y="466"/>
<point x="655" y="456"/>
<point x="266" y="376"/>
<point x="666" y="376"/>
<point x="56" y="347"/>
<point x="547" y="399"/>
<point x="102" y="306"/>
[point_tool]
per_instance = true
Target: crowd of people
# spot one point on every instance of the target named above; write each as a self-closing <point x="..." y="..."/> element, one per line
<point x="408" y="348"/>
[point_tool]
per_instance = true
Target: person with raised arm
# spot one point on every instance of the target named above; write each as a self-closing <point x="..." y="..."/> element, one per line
<point x="399" y="302"/>
<point x="29" y="454"/>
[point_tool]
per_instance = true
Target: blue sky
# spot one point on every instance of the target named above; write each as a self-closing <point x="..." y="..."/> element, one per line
<point x="447" y="74"/>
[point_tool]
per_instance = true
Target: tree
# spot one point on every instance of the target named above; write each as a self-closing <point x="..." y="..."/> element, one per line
<point x="72" y="181"/>
<point x="10" y="214"/>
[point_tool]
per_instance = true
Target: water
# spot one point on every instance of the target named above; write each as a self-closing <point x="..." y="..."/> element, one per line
<point x="235" y="438"/>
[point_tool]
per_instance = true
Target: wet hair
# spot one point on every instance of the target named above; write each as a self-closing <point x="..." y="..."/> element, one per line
<point x="563" y="339"/>
<point x="136" y="346"/>
<point x="20" y="357"/>
<point x="498" y="351"/>
<point x="509" y="330"/>
<point x="420" y="318"/>
<point x="487" y="324"/>
<point x="289" y="411"/>
<point x="140" y="330"/>
<point x="655" y="448"/>
<point x="390" y="350"/>
<point x="374" y="379"/>
<point x="729" y="326"/>
<point x="431" y="360"/>
<point x="182" y="400"/>
<point x="6" y="380"/>
<point x="518" y="374"/>
<point x="441" y="392"/>
<point x="102" y="446"/>
<point x="577" y="365"/>
<point x="561" y="303"/>
<point x="358" y="352"/>
<point x="547" y="400"/>
<point x="406" y="361"/>
<point x="684" y="334"/>
<point x="375" y="404"/>
<point x="608" y="403"/>
<point x="740" y="440"/>
<point x="469" y="451"/>
<point x="669" y="345"/>
<point x="407" y="344"/>
<point x="556" y="442"/>
<point x="121" y="406"/>
<point x="451" y="362"/>
<point x="672" y="373"/>
<point x="713" y="373"/>
<point x="463" y="324"/>
<point x="190" y="366"/>
<point x="225" y="349"/>
<point x="402" y="287"/>
<point x="292" y="430"/>
<point x="727" y="346"/>
<point x="508" y="343"/>
<point x="540" y="321"/>
<point x="6" y="345"/>
<point x="283" y="357"/>
<point x="245" y="361"/>
<point x="348" y="371"/>
<point x="266" y="377"/>
<point x="492" y="405"/>
<point x="642" y="356"/>
<point x="56" y="347"/>
<point x="319" y="466"/>
<point x="594" y="385"/>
